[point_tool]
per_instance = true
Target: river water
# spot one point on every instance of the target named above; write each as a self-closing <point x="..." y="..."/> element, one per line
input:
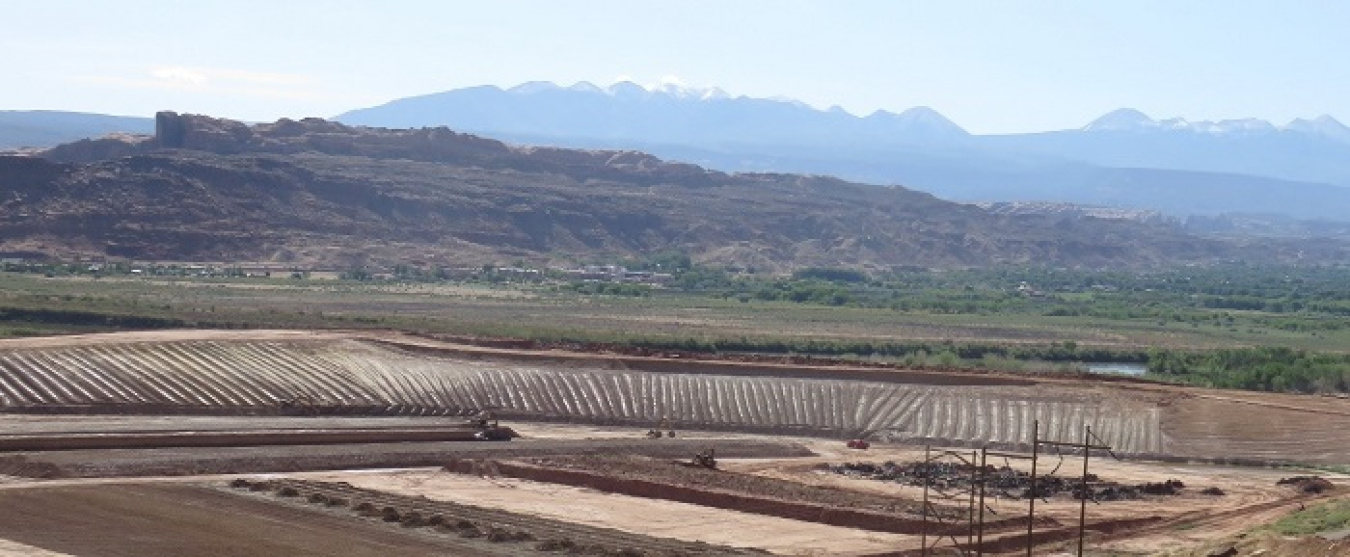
<point x="1118" y="368"/>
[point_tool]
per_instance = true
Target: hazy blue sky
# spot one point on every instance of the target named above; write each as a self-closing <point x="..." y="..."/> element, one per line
<point x="992" y="66"/>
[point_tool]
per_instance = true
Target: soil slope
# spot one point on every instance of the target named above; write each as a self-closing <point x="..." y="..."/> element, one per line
<point x="207" y="372"/>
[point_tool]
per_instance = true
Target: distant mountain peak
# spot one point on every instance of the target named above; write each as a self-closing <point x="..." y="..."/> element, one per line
<point x="1326" y="119"/>
<point x="920" y="122"/>
<point x="531" y="87"/>
<point x="922" y="111"/>
<point x="1129" y="119"/>
<point x="1241" y="125"/>
<point x="1323" y="125"/>
<point x="585" y="87"/>
<point x="789" y="100"/>
<point x="1121" y="119"/>
<point x="626" y="90"/>
<point x="674" y="87"/>
<point x="930" y="121"/>
<point x="714" y="93"/>
<point x="669" y="87"/>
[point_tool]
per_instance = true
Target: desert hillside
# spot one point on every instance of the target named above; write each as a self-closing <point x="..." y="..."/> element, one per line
<point x="319" y="193"/>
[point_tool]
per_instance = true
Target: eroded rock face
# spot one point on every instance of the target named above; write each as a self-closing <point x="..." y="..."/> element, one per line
<point x="440" y="145"/>
<point x="103" y="148"/>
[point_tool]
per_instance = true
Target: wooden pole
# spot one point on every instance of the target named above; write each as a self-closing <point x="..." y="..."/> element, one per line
<point x="979" y="536"/>
<point x="970" y="515"/>
<point x="1031" y="505"/>
<point x="1082" y="505"/>
<point x="923" y="533"/>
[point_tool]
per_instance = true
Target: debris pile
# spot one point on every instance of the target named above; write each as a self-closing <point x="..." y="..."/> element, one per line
<point x="1004" y="481"/>
<point x="1307" y="484"/>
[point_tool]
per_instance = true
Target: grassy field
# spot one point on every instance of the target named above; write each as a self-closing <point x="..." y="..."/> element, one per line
<point x="542" y="312"/>
<point x="1325" y="517"/>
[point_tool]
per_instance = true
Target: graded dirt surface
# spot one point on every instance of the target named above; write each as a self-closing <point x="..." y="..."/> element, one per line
<point x="131" y="510"/>
<point x="1260" y="426"/>
<point x="776" y="421"/>
<point x="1172" y="523"/>
<point x="666" y="471"/>
<point x="178" y="520"/>
<point x="633" y="514"/>
<point x="513" y="533"/>
<point x="1251" y="496"/>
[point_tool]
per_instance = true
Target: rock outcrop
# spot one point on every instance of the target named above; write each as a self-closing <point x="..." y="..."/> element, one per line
<point x="441" y="145"/>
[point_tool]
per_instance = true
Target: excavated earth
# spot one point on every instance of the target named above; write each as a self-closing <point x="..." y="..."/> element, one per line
<point x="262" y="372"/>
<point x="678" y="473"/>
<point x="688" y="483"/>
<point x="109" y="435"/>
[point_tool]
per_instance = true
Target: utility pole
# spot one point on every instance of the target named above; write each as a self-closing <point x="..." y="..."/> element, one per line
<point x="923" y="534"/>
<point x="1031" y="499"/>
<point x="984" y="477"/>
<point x="1082" y="505"/>
<point x="975" y="472"/>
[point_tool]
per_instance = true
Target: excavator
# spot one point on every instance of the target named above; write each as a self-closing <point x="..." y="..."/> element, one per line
<point x="488" y="427"/>
<point x="664" y="424"/>
<point x="706" y="459"/>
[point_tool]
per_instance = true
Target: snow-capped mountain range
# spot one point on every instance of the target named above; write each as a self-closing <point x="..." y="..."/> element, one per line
<point x="923" y="122"/>
<point x="663" y="113"/>
<point x="1124" y="159"/>
<point x="1120" y="120"/>
<point x="1131" y="120"/>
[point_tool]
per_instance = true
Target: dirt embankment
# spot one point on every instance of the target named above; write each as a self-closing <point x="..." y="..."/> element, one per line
<point x="238" y="460"/>
<point x="141" y="440"/>
<point x="658" y="479"/>
<point x="612" y="356"/>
